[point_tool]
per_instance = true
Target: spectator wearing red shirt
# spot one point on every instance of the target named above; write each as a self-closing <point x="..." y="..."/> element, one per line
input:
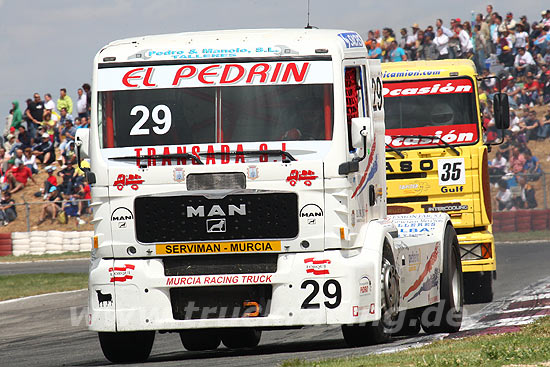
<point x="530" y="93"/>
<point x="85" y="195"/>
<point x="516" y="161"/>
<point x="17" y="176"/>
<point x="51" y="180"/>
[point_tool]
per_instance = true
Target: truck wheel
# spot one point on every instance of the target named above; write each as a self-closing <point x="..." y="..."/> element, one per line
<point x="200" y="339"/>
<point x="127" y="347"/>
<point x="378" y="331"/>
<point x="241" y="338"/>
<point x="446" y="316"/>
<point x="408" y="323"/>
<point x="478" y="287"/>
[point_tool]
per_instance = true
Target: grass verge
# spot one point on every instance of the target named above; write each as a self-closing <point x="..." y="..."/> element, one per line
<point x="522" y="236"/>
<point x="63" y="256"/>
<point x="528" y="347"/>
<point x="23" y="285"/>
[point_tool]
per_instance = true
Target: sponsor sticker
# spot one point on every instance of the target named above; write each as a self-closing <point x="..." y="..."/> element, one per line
<point x="317" y="267"/>
<point x="399" y="209"/>
<point x="447" y="207"/>
<point x="252" y="172"/>
<point x="352" y="40"/>
<point x="452" y="134"/>
<point x="218" y="247"/>
<point x="219" y="279"/>
<point x="452" y="189"/>
<point x="104" y="299"/>
<point x="304" y="175"/>
<point x="179" y="174"/>
<point x="427" y="87"/>
<point x="215" y="74"/>
<point x="365" y="286"/>
<point x="121" y="273"/>
<point x="128" y="180"/>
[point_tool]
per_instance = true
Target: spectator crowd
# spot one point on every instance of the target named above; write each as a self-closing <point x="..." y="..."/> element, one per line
<point x="42" y="137"/>
<point x="500" y="45"/>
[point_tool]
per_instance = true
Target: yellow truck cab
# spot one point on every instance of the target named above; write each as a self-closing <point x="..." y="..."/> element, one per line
<point x="436" y="158"/>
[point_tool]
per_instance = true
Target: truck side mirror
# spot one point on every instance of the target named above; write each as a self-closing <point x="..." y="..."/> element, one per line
<point x="360" y="130"/>
<point x="501" y="110"/>
<point x="82" y="140"/>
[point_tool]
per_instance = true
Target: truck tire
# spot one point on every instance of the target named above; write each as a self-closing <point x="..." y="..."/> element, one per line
<point x="478" y="287"/>
<point x="448" y="312"/>
<point x="241" y="338"/>
<point x="127" y="347"/>
<point x="200" y="339"/>
<point x="408" y="323"/>
<point x="378" y="332"/>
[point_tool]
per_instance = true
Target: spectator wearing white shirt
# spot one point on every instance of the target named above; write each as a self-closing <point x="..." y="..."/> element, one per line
<point x="81" y="105"/>
<point x="466" y="46"/>
<point x="442" y="43"/>
<point x="523" y="62"/>
<point x="504" y="196"/>
<point x="49" y="104"/>
<point x="521" y="36"/>
<point x="510" y="22"/>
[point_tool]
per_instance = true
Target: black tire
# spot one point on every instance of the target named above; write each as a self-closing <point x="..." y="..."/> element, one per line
<point x="376" y="332"/>
<point x="408" y="323"/>
<point x="200" y="339"/>
<point x="447" y="314"/>
<point x="478" y="287"/>
<point x="241" y="338"/>
<point x="127" y="347"/>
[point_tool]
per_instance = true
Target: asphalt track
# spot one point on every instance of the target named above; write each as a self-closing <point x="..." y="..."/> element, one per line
<point x="51" y="330"/>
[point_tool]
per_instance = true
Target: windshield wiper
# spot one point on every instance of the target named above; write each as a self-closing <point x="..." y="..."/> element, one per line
<point x="395" y="150"/>
<point x="160" y="156"/>
<point x="447" y="145"/>
<point x="255" y="153"/>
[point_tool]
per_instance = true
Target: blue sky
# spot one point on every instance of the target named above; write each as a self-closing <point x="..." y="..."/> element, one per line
<point x="45" y="46"/>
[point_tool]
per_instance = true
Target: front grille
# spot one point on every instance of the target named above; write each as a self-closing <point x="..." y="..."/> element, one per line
<point x="220" y="264"/>
<point x="237" y="215"/>
<point x="195" y="303"/>
<point x="216" y="181"/>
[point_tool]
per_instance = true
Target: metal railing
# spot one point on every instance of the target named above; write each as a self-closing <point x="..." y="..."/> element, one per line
<point x="32" y="211"/>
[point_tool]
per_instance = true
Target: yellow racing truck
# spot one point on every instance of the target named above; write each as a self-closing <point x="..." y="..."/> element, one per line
<point x="436" y="157"/>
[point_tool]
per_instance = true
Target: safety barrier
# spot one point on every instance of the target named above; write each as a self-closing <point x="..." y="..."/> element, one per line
<point x="45" y="242"/>
<point x="521" y="220"/>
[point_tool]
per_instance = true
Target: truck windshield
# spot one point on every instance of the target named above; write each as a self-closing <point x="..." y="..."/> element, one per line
<point x="443" y="109"/>
<point x="210" y="112"/>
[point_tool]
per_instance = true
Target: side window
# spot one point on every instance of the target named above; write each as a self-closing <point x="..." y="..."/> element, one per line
<point x="355" y="96"/>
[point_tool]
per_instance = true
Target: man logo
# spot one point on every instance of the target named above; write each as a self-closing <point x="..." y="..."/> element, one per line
<point x="311" y="211"/>
<point x="121" y="215"/>
<point x="215" y="225"/>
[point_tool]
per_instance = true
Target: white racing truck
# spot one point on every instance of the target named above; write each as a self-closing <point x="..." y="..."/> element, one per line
<point x="238" y="186"/>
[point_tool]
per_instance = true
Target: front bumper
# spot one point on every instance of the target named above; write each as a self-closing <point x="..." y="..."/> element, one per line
<point x="475" y="258"/>
<point x="315" y="288"/>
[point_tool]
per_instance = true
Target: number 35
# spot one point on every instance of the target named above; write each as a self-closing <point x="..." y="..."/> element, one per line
<point x="163" y="123"/>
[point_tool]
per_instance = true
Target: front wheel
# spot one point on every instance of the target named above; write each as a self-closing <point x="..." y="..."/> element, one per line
<point x="379" y="331"/>
<point x="478" y="287"/>
<point x="127" y="347"/>
<point x="241" y="338"/>
<point x="446" y="316"/>
<point x="200" y="339"/>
